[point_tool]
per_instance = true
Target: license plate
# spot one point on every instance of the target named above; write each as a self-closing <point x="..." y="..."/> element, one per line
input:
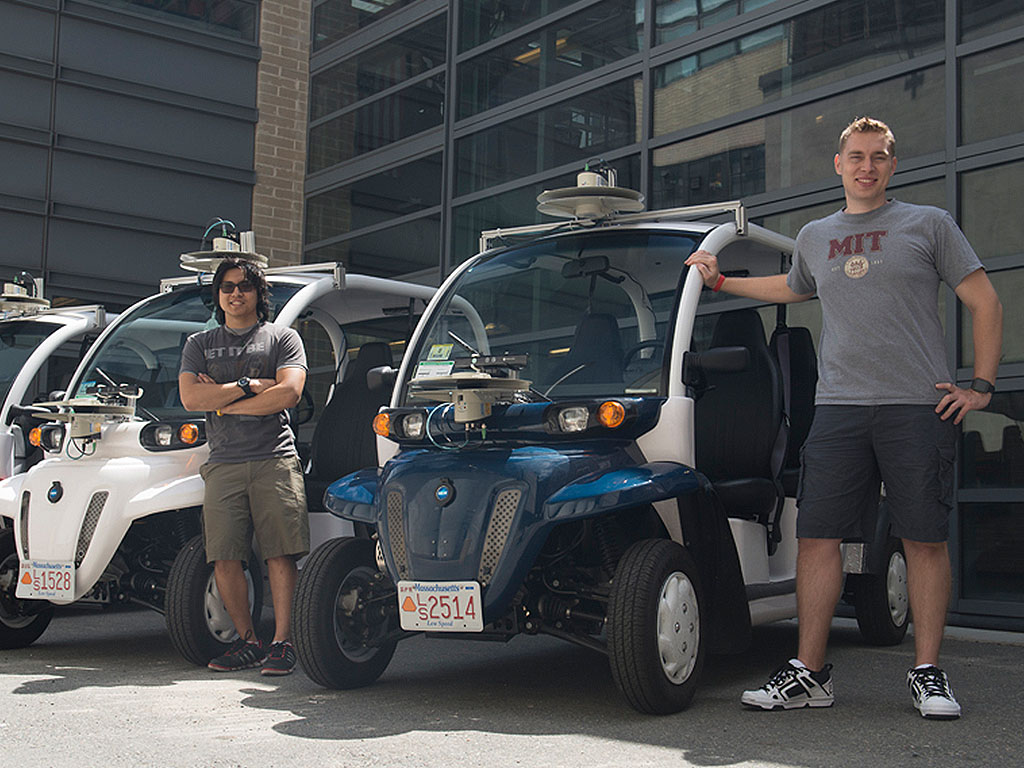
<point x="440" y="606"/>
<point x="46" y="579"/>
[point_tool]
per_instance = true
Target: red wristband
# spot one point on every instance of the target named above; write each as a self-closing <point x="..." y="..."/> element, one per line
<point x="718" y="283"/>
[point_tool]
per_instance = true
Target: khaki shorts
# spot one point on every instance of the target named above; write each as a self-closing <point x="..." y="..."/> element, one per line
<point x="267" y="497"/>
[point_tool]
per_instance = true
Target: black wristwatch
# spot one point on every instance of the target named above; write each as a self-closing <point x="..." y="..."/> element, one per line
<point x="244" y="384"/>
<point x="983" y="386"/>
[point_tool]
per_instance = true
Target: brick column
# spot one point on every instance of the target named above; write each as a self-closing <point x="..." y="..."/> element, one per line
<point x="280" y="142"/>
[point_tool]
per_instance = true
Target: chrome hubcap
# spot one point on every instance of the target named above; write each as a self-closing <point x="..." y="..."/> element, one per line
<point x="896" y="588"/>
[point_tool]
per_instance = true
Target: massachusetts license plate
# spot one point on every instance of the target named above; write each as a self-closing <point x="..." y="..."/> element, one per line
<point x="440" y="606"/>
<point x="46" y="579"/>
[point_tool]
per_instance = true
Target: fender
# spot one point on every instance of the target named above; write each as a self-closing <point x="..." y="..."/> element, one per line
<point x="708" y="539"/>
<point x="354" y="497"/>
<point x="616" y="489"/>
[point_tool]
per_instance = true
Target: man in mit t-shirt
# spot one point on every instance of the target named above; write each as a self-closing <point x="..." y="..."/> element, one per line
<point x="885" y="407"/>
<point x="245" y="374"/>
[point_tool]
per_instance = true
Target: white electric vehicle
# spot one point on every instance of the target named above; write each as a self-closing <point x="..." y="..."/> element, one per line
<point x="113" y="513"/>
<point x="40" y="348"/>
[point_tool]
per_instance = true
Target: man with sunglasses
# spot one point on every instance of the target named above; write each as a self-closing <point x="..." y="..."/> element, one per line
<point x="245" y="374"/>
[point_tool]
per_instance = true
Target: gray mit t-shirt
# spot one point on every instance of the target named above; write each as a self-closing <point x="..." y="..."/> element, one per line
<point x="877" y="275"/>
<point x="257" y="352"/>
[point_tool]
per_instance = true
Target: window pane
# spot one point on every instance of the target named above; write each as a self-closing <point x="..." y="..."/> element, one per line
<point x="398" y="192"/>
<point x="581" y="43"/>
<point x="821" y="47"/>
<point x="1009" y="284"/>
<point x="992" y="89"/>
<point x="236" y="18"/>
<point x="979" y="18"/>
<point x="992" y="537"/>
<point x="796" y="147"/>
<point x="990" y="209"/>
<point x="573" y="131"/>
<point x="334" y="19"/>
<point x="519" y="208"/>
<point x="484" y="20"/>
<point x="391" y="251"/>
<point x="992" y="454"/>
<point x="409" y="54"/>
<point x="410" y="111"/>
<point x="679" y="18"/>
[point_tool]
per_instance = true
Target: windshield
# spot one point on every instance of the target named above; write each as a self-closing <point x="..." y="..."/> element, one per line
<point x="18" y="339"/>
<point x="145" y="347"/>
<point x="591" y="311"/>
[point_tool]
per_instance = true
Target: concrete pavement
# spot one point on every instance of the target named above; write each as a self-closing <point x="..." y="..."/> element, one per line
<point x="106" y="689"/>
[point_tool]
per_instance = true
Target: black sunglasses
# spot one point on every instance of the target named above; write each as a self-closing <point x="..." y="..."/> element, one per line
<point x="246" y="286"/>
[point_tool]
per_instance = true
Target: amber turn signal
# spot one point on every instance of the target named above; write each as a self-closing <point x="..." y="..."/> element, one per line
<point x="35" y="436"/>
<point x="188" y="434"/>
<point x="382" y="424"/>
<point x="611" y="414"/>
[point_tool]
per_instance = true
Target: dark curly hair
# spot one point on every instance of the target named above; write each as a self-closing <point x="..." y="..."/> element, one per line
<point x="253" y="274"/>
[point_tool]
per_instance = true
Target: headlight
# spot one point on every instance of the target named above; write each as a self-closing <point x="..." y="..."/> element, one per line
<point x="412" y="425"/>
<point x="573" y="418"/>
<point x="170" y="436"/>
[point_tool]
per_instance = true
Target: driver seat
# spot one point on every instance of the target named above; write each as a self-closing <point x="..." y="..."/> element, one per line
<point x="597" y="346"/>
<point x="343" y="440"/>
<point x="737" y="422"/>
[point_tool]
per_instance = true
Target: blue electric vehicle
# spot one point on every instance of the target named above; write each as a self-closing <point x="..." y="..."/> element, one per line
<point x="585" y="442"/>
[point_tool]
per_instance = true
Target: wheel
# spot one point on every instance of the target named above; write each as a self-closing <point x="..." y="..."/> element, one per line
<point x="21" y="621"/>
<point x="655" y="638"/>
<point x="197" y="621"/>
<point x="881" y="601"/>
<point x="345" y="608"/>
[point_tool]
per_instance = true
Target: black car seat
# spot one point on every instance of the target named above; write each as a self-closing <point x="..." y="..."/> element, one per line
<point x="737" y="422"/>
<point x="343" y="440"/>
<point x="803" y="381"/>
<point x="598" y="347"/>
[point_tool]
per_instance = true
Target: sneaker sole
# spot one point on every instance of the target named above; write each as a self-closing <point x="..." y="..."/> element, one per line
<point x="938" y="716"/>
<point x="219" y="668"/>
<point x="789" y="705"/>
<point x="276" y="672"/>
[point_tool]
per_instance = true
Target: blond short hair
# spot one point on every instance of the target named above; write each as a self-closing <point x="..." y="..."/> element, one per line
<point x="868" y="125"/>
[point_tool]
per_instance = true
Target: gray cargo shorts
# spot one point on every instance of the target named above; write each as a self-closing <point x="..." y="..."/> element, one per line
<point x="851" y="449"/>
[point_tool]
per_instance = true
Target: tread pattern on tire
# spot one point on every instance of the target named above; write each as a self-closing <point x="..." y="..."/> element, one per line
<point x="632" y="645"/>
<point x="183" y="604"/>
<point x="313" y="617"/>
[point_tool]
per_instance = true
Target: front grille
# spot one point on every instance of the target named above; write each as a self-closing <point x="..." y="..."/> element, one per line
<point x="396" y="533"/>
<point x="502" y="514"/>
<point x="92" y="518"/>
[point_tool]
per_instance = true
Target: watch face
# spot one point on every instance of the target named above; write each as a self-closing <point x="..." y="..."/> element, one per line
<point x="243" y="382"/>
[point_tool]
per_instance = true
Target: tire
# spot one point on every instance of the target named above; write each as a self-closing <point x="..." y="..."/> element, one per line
<point x="881" y="601"/>
<point x="338" y="641"/>
<point x="197" y="621"/>
<point x="655" y="637"/>
<point x="21" y="621"/>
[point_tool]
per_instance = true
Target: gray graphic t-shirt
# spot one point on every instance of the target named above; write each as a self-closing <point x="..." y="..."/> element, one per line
<point x="225" y="356"/>
<point x="877" y="275"/>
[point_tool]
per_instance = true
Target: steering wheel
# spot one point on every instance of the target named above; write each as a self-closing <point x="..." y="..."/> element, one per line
<point x="632" y="351"/>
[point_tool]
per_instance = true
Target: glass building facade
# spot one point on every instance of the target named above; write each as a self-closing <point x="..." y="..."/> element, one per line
<point x="431" y="120"/>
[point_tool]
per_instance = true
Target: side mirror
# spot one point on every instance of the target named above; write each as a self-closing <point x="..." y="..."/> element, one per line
<point x="714" y="360"/>
<point x="381" y="377"/>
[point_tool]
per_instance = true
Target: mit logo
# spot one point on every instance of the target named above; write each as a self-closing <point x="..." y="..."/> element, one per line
<point x="855" y="244"/>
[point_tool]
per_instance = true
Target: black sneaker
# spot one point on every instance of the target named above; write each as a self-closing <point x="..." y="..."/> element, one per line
<point x="792" y="687"/>
<point x="932" y="695"/>
<point x="280" y="660"/>
<point x="241" y="655"/>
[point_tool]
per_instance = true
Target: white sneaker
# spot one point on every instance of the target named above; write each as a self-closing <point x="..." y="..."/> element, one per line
<point x="792" y="687"/>
<point x="933" y="697"/>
